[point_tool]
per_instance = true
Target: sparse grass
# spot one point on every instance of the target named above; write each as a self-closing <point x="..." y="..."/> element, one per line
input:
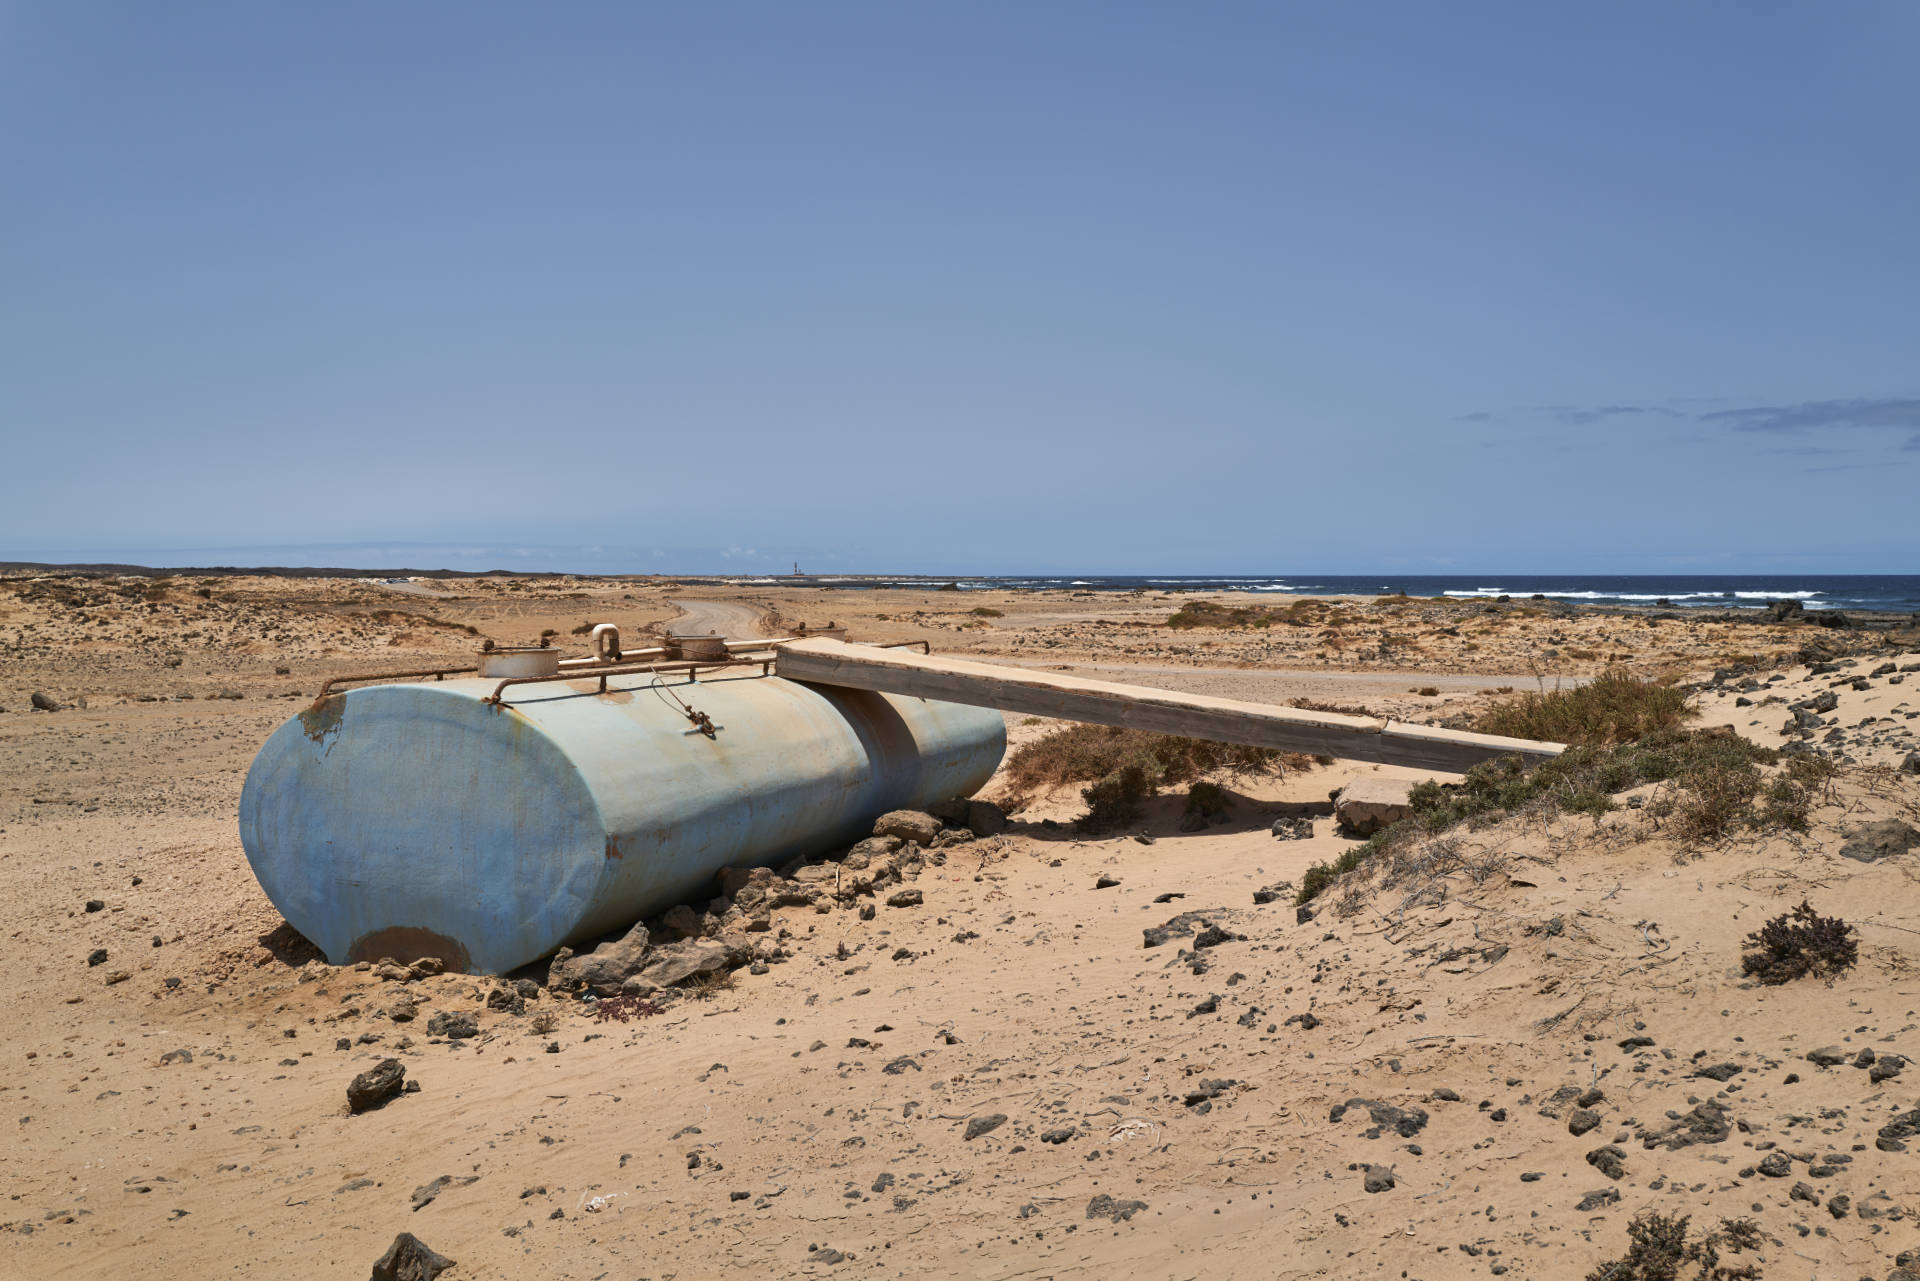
<point x="1124" y="767"/>
<point x="1714" y="766"/>
<point x="1658" y="1250"/>
<point x="986" y="611"/>
<point x="1799" y="943"/>
<point x="1316" y="705"/>
<point x="1614" y="707"/>
<point x="1207" y="613"/>
<point x="401" y="618"/>
<point x="1790" y="797"/>
<point x="704" y="987"/>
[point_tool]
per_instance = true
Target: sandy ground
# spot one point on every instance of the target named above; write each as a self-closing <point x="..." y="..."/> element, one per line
<point x="178" y="1108"/>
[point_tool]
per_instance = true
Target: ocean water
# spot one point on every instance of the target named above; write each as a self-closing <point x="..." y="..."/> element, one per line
<point x="1896" y="593"/>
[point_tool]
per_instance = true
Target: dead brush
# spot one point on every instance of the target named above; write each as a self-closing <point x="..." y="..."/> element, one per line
<point x="1798" y="943"/>
<point x="1125" y="767"/>
<point x="1483" y="867"/>
<point x="1658" y="1250"/>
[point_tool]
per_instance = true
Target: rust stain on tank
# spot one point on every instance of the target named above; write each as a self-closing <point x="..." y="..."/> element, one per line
<point x="407" y="943"/>
<point x="323" y="718"/>
<point x="613" y="848"/>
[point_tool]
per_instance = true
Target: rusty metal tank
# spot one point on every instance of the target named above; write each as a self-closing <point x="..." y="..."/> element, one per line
<point x="411" y="820"/>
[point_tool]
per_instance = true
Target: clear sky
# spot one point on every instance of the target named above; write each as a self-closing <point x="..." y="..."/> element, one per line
<point x="1033" y="286"/>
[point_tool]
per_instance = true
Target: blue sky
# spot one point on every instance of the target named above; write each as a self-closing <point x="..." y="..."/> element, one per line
<point x="968" y="288"/>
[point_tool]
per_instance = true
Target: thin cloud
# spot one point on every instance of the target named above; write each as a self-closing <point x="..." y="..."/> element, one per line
<point x="1576" y="417"/>
<point x="1814" y="415"/>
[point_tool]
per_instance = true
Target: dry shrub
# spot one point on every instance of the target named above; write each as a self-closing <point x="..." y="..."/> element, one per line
<point x="1614" y="707"/>
<point x="544" y="1022"/>
<point x="1791" y="796"/>
<point x="1798" y="943"/>
<point x="1717" y="800"/>
<point x="1207" y="804"/>
<point x="1118" y="799"/>
<point x="1207" y="613"/>
<point x="1658" y="1250"/>
<point x="1316" y="705"/>
<point x="1102" y="755"/>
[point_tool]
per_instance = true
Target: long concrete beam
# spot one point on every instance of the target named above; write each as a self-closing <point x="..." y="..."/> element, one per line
<point x="1225" y="720"/>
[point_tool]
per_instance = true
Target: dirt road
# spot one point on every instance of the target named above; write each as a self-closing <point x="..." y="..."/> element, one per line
<point x="715" y="618"/>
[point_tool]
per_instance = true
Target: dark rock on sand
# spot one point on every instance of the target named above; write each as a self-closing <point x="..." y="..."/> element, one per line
<point x="1894" y="1134"/>
<point x="374" y="1087"/>
<point x="1609" y="1160"/>
<point x="1406" y="1122"/>
<point x="1706" y="1123"/>
<point x="1105" y="1207"/>
<point x="1875" y="841"/>
<point x="1178" y="927"/>
<point x="455" y="1025"/>
<point x="424" y="1195"/>
<point x="980" y="1125"/>
<point x="409" y="1259"/>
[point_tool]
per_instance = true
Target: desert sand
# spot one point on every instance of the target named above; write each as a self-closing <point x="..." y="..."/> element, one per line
<point x="1487" y="1071"/>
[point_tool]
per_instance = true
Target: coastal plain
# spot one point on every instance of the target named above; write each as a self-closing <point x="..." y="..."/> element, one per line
<point x="1056" y="1055"/>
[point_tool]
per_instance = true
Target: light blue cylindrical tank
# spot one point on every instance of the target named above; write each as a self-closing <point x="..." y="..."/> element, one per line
<point x="418" y="820"/>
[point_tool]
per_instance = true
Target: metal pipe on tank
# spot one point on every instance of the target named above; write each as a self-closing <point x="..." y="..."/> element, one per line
<point x="420" y="820"/>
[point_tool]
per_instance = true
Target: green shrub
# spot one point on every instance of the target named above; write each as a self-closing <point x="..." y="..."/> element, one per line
<point x="1613" y="707"/>
<point x="1207" y="613"/>
<point x="1717" y="767"/>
